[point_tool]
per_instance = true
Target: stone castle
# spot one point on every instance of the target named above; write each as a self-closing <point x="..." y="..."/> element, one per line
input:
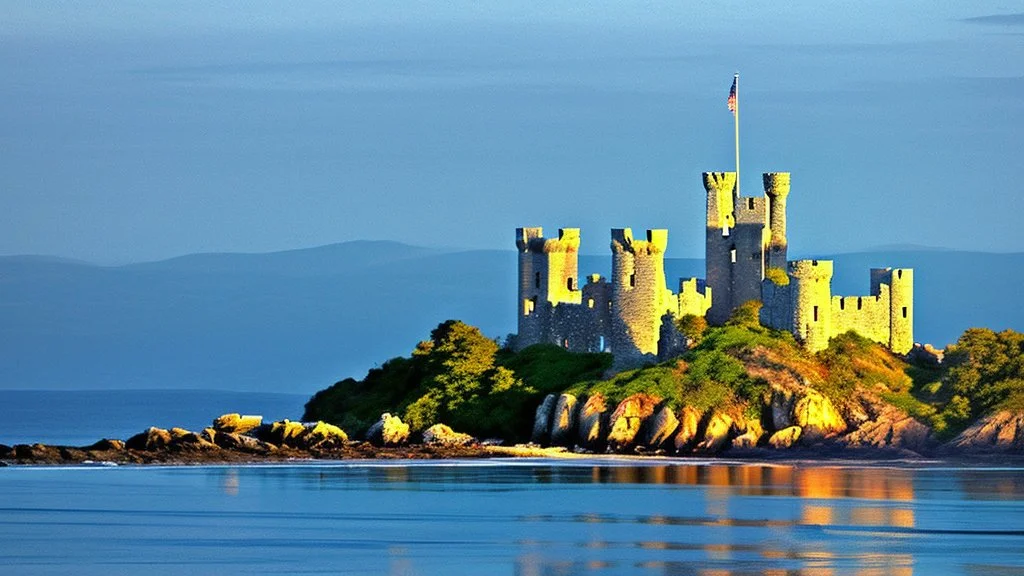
<point x="633" y="315"/>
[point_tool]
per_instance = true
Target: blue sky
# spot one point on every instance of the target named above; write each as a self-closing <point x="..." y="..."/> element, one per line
<point x="138" y="131"/>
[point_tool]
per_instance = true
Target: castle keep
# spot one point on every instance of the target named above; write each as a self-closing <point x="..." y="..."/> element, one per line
<point x="633" y="314"/>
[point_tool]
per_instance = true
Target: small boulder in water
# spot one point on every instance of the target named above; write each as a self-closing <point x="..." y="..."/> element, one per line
<point x="236" y="423"/>
<point x="445" y="436"/>
<point x="388" y="431"/>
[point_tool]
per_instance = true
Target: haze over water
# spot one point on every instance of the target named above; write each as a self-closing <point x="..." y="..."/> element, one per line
<point x="518" y="517"/>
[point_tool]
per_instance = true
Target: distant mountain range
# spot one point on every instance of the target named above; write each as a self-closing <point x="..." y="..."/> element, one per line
<point x="296" y="321"/>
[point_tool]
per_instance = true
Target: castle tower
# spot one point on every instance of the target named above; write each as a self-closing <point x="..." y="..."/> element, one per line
<point x="548" y="276"/>
<point x="718" y="243"/>
<point x="811" y="289"/>
<point x="736" y="245"/>
<point x="901" y="305"/>
<point x="639" y="295"/>
<point x="776" y="187"/>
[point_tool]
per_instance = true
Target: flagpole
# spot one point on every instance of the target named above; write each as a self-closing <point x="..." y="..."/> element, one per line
<point x="736" y="116"/>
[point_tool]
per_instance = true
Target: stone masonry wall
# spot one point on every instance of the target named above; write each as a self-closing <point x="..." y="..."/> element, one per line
<point x="639" y="295"/>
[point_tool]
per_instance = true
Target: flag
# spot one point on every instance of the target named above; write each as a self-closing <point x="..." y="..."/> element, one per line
<point x="732" y="96"/>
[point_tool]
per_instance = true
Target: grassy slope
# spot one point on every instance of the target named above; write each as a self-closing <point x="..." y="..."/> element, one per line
<point x="732" y="368"/>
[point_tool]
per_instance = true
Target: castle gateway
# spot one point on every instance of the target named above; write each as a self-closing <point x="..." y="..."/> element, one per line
<point x="633" y="314"/>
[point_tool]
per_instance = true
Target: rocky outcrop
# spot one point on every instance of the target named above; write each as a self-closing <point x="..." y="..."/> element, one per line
<point x="152" y="439"/>
<point x="592" y="423"/>
<point x="785" y="438"/>
<point x="388" y="431"/>
<point x="689" y="425"/>
<point x="890" y="428"/>
<point x="628" y="417"/>
<point x="243" y="443"/>
<point x="1002" y="432"/>
<point x="286" y="433"/>
<point x="443" y="435"/>
<point x="782" y="404"/>
<point x="106" y="445"/>
<point x="322" y="435"/>
<point x="563" y="421"/>
<point x="237" y="423"/>
<point x="658" y="430"/>
<point x="716" y="433"/>
<point x="816" y="414"/>
<point x="542" y="420"/>
<point x="748" y="436"/>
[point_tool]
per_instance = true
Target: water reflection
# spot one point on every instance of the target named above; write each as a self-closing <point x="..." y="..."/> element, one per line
<point x="674" y="518"/>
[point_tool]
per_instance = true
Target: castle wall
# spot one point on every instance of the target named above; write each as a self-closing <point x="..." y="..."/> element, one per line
<point x="777" y="305"/>
<point x="694" y="297"/>
<point x="865" y="315"/>
<point x="749" y="241"/>
<point x="639" y="295"/>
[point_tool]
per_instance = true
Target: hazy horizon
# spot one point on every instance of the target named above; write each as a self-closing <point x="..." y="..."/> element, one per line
<point x="139" y="133"/>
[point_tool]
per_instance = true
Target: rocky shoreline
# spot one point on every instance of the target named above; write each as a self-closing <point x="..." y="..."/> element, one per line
<point x="806" y="427"/>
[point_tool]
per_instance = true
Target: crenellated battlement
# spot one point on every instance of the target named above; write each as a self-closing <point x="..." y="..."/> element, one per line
<point x="532" y="240"/>
<point x="776" y="184"/>
<point x="810" y="269"/>
<point x="623" y="241"/>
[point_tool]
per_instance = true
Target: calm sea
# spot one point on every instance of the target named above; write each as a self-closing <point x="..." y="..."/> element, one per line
<point x="514" y="517"/>
<point x="521" y="517"/>
<point x="84" y="416"/>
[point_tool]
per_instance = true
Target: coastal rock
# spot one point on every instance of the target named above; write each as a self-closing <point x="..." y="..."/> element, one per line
<point x="816" y="414"/>
<point x="445" y="436"/>
<point x="999" y="432"/>
<point x="236" y="423"/>
<point x="181" y="438"/>
<point x="782" y="404"/>
<point x="892" y="428"/>
<point x="152" y="439"/>
<point x="716" y="433"/>
<point x="286" y="433"/>
<point x="388" y="431"/>
<point x="542" y="420"/>
<point x="323" y="435"/>
<point x="785" y="438"/>
<point x="243" y="443"/>
<point x="592" y="423"/>
<point x="926" y="354"/>
<point x="627" y="419"/>
<point x="659" y="429"/>
<point x="563" y="421"/>
<point x="689" y="424"/>
<point x="37" y="453"/>
<point x="106" y="445"/>
<point x="749" y="437"/>
<point x="6" y="451"/>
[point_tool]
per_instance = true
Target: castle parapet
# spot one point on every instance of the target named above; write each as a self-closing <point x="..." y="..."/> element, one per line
<point x="811" y="269"/>
<point x="720" y="187"/>
<point x="623" y="241"/>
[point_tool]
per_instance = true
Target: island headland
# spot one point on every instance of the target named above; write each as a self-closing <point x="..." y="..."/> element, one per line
<point x="756" y="360"/>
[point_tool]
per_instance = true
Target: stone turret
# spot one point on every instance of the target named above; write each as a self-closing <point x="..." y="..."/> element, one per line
<point x="548" y="276"/>
<point x="901" y="305"/>
<point x="776" y="188"/>
<point x="811" y="288"/>
<point x="639" y="295"/>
